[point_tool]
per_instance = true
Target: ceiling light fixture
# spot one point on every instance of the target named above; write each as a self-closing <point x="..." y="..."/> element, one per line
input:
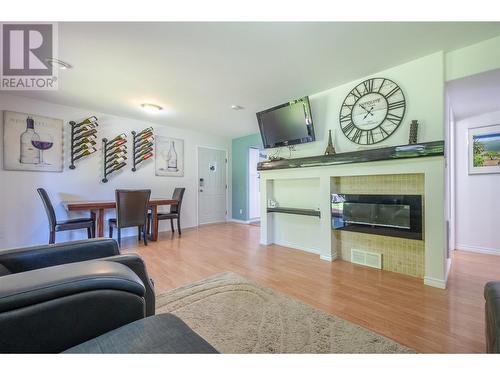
<point x="237" y="107"/>
<point x="56" y="63"/>
<point x="151" y="108"/>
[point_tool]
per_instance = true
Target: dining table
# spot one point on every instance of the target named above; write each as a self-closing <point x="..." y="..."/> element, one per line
<point x="98" y="207"/>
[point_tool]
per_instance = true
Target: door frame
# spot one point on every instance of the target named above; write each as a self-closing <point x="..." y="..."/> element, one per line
<point x="250" y="219"/>
<point x="198" y="181"/>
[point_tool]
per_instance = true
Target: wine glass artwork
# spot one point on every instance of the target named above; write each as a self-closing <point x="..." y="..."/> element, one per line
<point x="170" y="156"/>
<point x="43" y="142"/>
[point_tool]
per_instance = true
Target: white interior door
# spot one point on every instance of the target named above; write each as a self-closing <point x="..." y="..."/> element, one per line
<point x="212" y="186"/>
<point x="253" y="185"/>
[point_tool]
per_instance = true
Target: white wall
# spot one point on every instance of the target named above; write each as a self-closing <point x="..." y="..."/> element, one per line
<point x="477" y="196"/>
<point x="422" y="82"/>
<point x="22" y="218"/>
<point x="474" y="59"/>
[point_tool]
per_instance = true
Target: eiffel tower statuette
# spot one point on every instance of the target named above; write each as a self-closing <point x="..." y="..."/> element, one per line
<point x="330" y="150"/>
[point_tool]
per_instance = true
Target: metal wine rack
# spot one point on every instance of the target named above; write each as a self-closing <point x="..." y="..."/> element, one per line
<point x="114" y="155"/>
<point x="142" y="146"/>
<point x="83" y="139"/>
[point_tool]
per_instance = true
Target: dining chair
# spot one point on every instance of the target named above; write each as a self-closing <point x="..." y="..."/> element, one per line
<point x="63" y="225"/>
<point x="131" y="211"/>
<point x="175" y="211"/>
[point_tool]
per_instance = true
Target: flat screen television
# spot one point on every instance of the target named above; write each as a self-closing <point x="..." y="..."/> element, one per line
<point x="287" y="124"/>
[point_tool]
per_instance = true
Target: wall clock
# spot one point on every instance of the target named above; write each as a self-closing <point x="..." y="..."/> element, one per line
<point x="372" y="111"/>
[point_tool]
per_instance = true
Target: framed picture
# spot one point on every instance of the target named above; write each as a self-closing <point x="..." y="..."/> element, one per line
<point x="484" y="149"/>
<point x="169" y="159"/>
<point x="32" y="143"/>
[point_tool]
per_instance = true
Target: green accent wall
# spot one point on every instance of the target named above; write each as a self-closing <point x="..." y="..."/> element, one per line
<point x="239" y="152"/>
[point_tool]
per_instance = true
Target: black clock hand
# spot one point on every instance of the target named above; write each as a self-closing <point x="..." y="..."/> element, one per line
<point x="368" y="112"/>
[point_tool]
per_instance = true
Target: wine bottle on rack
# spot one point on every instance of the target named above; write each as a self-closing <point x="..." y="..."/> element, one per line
<point x="139" y="138"/>
<point x="117" y="150"/>
<point x="85" y="128"/>
<point x="84" y="141"/>
<point x="88" y="121"/>
<point x="119" y="166"/>
<point x="144" y="141"/>
<point x="85" y="134"/>
<point x="115" y="162"/>
<point x="116" y="156"/>
<point x="85" y="153"/>
<point x="145" y="146"/>
<point x="147" y="130"/>
<point x="83" y="147"/>
<point x="143" y="157"/>
<point x="119" y="137"/>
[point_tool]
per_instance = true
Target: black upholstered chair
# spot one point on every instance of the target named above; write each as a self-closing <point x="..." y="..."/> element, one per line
<point x="175" y="211"/>
<point x="131" y="211"/>
<point x="63" y="225"/>
<point x="53" y="297"/>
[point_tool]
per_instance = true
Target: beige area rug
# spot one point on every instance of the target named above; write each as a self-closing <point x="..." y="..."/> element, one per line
<point x="236" y="315"/>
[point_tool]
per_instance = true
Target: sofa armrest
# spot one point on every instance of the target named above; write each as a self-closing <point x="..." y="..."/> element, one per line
<point x="136" y="264"/>
<point x="31" y="258"/>
<point x="52" y="309"/>
<point x="492" y="315"/>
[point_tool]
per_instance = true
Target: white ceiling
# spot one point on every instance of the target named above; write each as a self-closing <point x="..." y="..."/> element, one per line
<point x="475" y="95"/>
<point x="198" y="70"/>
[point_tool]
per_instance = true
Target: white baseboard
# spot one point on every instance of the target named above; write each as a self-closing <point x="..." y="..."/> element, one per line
<point x="294" y="246"/>
<point x="240" y="221"/>
<point x="328" y="258"/>
<point x="478" y="249"/>
<point x="436" y="283"/>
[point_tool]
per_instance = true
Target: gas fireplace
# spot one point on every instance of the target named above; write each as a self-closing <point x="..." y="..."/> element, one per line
<point x="386" y="215"/>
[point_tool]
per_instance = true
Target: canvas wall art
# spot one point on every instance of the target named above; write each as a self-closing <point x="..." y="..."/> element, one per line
<point x="169" y="157"/>
<point x="484" y="149"/>
<point x="32" y="143"/>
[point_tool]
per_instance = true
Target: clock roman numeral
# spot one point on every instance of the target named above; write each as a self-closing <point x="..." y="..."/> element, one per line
<point x="345" y="118"/>
<point x="348" y="128"/>
<point x="383" y="131"/>
<point x="368" y="84"/>
<point x="369" y="137"/>
<point x="395" y="119"/>
<point x="392" y="92"/>
<point x="396" y="105"/>
<point x="357" y="135"/>
<point x="381" y="85"/>
<point x="356" y="93"/>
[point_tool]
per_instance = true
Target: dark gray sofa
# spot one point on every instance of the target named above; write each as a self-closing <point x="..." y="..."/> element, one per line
<point x="55" y="297"/>
<point x="492" y="314"/>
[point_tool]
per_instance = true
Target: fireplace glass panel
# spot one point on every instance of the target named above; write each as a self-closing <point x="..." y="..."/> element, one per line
<point x="384" y="215"/>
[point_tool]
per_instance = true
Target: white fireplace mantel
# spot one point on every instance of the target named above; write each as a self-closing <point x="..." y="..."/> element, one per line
<point x="311" y="187"/>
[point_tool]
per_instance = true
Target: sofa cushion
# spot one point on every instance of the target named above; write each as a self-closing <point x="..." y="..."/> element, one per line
<point x="4" y="271"/>
<point x="163" y="333"/>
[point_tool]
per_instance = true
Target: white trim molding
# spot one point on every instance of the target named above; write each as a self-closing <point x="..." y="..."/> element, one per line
<point x="240" y="221"/>
<point x="436" y="283"/>
<point x="294" y="246"/>
<point x="448" y="269"/>
<point x="478" y="249"/>
<point x="328" y="258"/>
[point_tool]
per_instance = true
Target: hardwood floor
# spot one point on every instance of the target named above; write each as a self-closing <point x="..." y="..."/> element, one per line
<point x="400" y="307"/>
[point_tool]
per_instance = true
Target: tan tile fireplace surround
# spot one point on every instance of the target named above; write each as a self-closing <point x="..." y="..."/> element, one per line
<point x="400" y="255"/>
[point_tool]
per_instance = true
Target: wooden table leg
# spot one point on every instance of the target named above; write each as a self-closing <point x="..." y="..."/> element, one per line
<point x="100" y="223"/>
<point x="93" y="216"/>
<point x="154" y="223"/>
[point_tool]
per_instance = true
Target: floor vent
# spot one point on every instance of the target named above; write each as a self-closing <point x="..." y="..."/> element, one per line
<point x="366" y="258"/>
